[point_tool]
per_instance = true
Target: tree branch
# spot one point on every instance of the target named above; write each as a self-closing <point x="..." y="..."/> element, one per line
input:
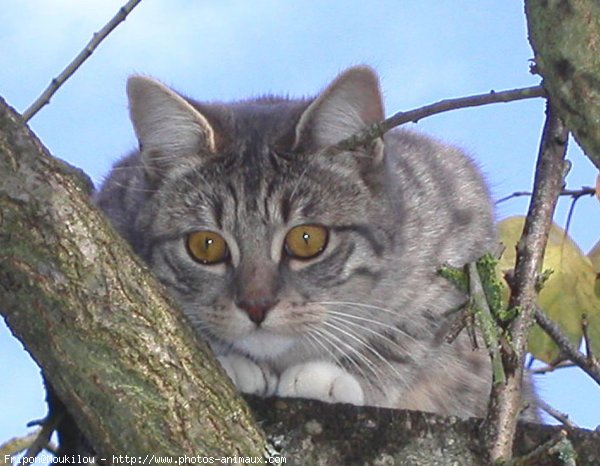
<point x="314" y="433"/>
<point x="589" y="364"/>
<point x="377" y="130"/>
<point x="505" y="401"/>
<point x="574" y="193"/>
<point x="565" y="37"/>
<point x="120" y="355"/>
<point x="97" y="38"/>
<point x="558" y="415"/>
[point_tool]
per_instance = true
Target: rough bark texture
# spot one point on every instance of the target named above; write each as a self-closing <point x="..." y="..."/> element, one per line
<point x="314" y="433"/>
<point x="565" y="36"/>
<point x="121" y="357"/>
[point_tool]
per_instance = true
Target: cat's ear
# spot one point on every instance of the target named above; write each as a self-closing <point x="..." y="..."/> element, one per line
<point x="167" y="126"/>
<point x="351" y="102"/>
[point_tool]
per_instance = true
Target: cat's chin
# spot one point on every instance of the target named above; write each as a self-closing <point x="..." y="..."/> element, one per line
<point x="264" y="345"/>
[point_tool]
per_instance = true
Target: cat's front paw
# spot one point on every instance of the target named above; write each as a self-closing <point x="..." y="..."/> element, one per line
<point x="247" y="376"/>
<point x="320" y="380"/>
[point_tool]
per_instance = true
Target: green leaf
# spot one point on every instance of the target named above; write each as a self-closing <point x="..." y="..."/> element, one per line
<point x="568" y="291"/>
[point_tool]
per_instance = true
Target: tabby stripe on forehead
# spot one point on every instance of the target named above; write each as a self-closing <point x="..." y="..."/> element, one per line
<point x="267" y="198"/>
<point x="266" y="213"/>
<point x="285" y="208"/>
<point x="217" y="205"/>
<point x="366" y="232"/>
<point x="233" y="195"/>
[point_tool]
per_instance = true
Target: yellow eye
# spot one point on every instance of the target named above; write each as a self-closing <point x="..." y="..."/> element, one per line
<point x="306" y="241"/>
<point x="207" y="247"/>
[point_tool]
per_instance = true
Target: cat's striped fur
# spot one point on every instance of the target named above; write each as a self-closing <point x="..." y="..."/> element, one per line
<point x="363" y="321"/>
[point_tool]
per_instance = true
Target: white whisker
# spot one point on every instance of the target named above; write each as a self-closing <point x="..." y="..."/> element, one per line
<point x="350" y="303"/>
<point x="350" y="334"/>
<point x="366" y="319"/>
<point x="314" y="338"/>
<point x="343" y="317"/>
<point x="368" y="363"/>
<point x="328" y="336"/>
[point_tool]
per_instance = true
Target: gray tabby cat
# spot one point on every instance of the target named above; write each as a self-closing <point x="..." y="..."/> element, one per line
<point x="311" y="274"/>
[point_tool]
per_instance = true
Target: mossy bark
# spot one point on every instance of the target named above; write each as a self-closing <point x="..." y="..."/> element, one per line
<point x="565" y="37"/>
<point x="119" y="354"/>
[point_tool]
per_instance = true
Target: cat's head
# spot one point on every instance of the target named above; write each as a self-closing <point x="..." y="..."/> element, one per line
<point x="259" y="233"/>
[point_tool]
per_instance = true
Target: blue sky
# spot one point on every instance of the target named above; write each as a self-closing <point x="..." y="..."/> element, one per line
<point x="424" y="50"/>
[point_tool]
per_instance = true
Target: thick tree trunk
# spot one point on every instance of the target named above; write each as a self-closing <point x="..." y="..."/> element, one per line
<point x="565" y="36"/>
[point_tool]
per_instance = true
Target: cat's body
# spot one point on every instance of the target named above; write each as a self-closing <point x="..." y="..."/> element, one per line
<point x="311" y="274"/>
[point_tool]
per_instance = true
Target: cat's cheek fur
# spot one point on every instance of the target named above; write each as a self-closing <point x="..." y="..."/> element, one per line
<point x="247" y="376"/>
<point x="320" y="380"/>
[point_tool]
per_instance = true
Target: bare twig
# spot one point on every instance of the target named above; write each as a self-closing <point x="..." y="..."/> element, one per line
<point x="588" y="364"/>
<point x="585" y="191"/>
<point x="97" y="38"/>
<point x="556" y="414"/>
<point x="464" y="319"/>
<point x="42" y="439"/>
<point x="574" y="193"/>
<point x="557" y="444"/>
<point x="376" y="130"/>
<point x="505" y="400"/>
<point x="552" y="367"/>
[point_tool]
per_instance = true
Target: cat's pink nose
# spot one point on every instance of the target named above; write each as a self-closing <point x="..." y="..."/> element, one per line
<point x="256" y="309"/>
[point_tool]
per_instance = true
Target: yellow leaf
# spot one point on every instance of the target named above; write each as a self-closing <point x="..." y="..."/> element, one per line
<point x="567" y="294"/>
<point x="594" y="257"/>
<point x="594" y="320"/>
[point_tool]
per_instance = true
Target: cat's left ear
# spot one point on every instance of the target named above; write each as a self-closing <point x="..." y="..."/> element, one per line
<point x="350" y="103"/>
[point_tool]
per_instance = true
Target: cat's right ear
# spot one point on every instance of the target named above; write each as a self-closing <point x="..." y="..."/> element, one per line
<point x="168" y="128"/>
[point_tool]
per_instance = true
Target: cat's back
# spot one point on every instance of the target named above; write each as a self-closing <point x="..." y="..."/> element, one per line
<point x="446" y="201"/>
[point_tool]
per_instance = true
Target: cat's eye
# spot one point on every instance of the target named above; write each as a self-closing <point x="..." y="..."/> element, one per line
<point x="306" y="241"/>
<point x="207" y="247"/>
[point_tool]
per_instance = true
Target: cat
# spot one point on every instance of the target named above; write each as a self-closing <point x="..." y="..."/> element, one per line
<point x="310" y="273"/>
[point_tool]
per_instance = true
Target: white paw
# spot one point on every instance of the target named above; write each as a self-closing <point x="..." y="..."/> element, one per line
<point x="247" y="376"/>
<point x="320" y="380"/>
